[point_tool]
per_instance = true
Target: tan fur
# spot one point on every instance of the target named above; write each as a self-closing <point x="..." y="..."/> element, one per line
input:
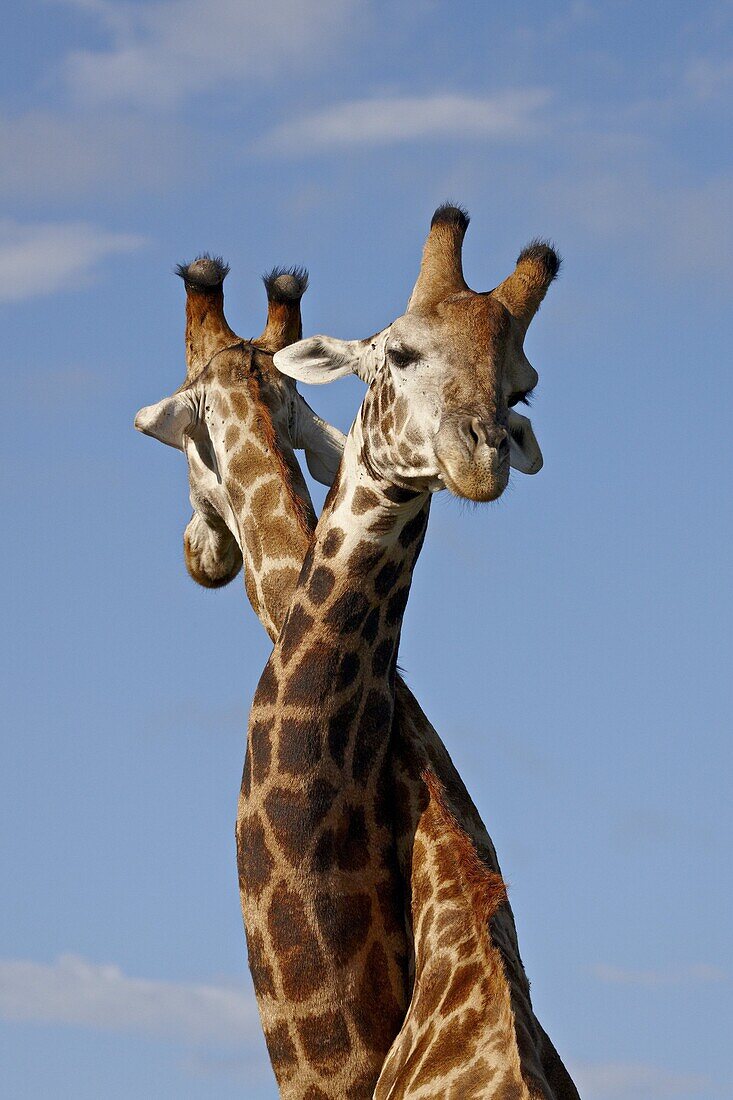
<point x="282" y="327"/>
<point x="441" y="271"/>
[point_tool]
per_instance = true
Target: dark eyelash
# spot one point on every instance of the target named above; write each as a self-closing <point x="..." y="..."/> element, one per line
<point x="525" y="398"/>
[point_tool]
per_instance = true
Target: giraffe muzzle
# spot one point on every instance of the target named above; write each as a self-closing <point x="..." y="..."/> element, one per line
<point x="473" y="456"/>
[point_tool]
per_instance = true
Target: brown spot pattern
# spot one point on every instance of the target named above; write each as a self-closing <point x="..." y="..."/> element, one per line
<point x="379" y="1016"/>
<point x="300" y="960"/>
<point x="299" y="622"/>
<point x="332" y="542"/>
<point x="348" y="670"/>
<point x="254" y="860"/>
<point x="371" y="625"/>
<point x="348" y="612"/>
<point x="351" y="840"/>
<point x="259" y="967"/>
<point x="344" y="921"/>
<point x="266" y="692"/>
<point x="363" y="500"/>
<point x="381" y="657"/>
<point x="325" y="1038"/>
<point x="372" y="733"/>
<point x="321" y="584"/>
<point x="296" y="815"/>
<point x="260" y="751"/>
<point x="300" y="745"/>
<point x="339" y="727"/>
<point x="311" y="681"/>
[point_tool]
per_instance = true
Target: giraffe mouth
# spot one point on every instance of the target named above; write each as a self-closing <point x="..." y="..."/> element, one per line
<point x="480" y="480"/>
<point x="473" y="461"/>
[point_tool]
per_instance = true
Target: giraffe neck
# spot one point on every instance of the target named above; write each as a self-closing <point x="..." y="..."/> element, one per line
<point x="266" y="500"/>
<point x="322" y="893"/>
<point x="367" y="541"/>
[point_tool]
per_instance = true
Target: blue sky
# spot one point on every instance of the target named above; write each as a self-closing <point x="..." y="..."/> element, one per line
<point x="595" y="739"/>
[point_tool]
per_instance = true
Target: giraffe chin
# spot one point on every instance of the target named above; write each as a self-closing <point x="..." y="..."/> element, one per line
<point x="482" y="480"/>
<point x="213" y="558"/>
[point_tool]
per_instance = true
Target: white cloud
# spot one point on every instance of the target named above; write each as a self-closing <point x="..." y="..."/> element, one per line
<point x="46" y="257"/>
<point x="75" y="991"/>
<point x="388" y="121"/>
<point x="165" y="50"/>
<point x="625" y="1081"/>
<point x="683" y="975"/>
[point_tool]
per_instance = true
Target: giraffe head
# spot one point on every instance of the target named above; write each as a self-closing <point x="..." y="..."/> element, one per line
<point x="445" y="376"/>
<point x="234" y="406"/>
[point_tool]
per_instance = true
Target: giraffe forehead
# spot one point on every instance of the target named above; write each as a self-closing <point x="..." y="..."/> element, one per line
<point x="477" y="318"/>
<point x="473" y="333"/>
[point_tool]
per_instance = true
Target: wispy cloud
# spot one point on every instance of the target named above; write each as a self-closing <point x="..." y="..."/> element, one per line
<point x="163" y="51"/>
<point x="680" y="231"/>
<point x="46" y="257"/>
<point x="75" y="991"/>
<point x="629" y="1081"/>
<point x="699" y="974"/>
<point x="50" y="155"/>
<point x="709" y="78"/>
<point x="509" y="115"/>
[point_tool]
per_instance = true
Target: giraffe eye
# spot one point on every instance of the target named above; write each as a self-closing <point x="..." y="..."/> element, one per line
<point x="401" y="357"/>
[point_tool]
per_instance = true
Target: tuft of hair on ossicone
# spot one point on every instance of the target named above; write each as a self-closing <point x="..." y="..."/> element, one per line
<point x="204" y="273"/>
<point x="285" y="284"/>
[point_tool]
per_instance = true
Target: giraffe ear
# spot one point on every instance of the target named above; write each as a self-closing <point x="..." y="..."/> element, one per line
<point x="169" y="421"/>
<point x="321" y="359"/>
<point x="323" y="444"/>
<point x="524" y="450"/>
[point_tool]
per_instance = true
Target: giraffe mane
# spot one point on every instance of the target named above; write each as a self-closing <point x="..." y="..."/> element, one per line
<point x="487" y="890"/>
<point x="268" y="428"/>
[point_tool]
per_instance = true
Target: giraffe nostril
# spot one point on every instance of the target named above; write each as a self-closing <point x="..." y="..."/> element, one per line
<point x="476" y="432"/>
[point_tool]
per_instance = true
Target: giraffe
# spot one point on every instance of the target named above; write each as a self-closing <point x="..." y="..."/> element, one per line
<point x="211" y="553"/>
<point x="430" y="799"/>
<point x="439" y="412"/>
